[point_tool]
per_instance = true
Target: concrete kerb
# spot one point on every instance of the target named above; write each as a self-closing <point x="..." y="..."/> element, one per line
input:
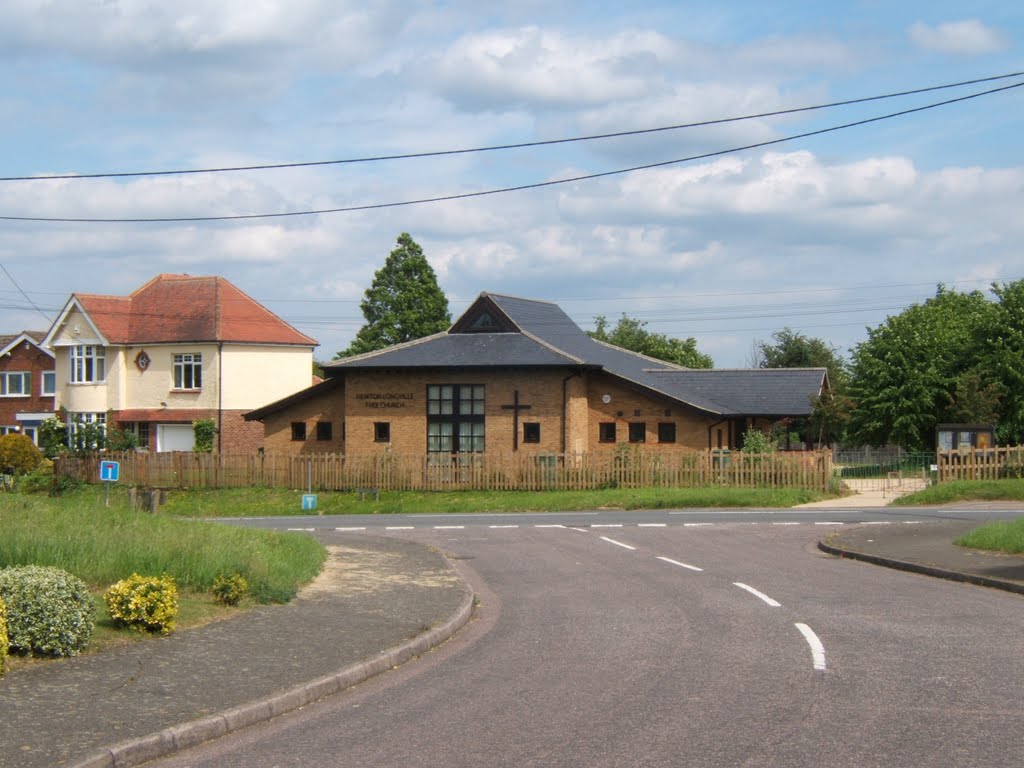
<point x="178" y="737"/>
<point x="925" y="570"/>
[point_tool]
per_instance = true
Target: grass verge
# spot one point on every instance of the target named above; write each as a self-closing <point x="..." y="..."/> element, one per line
<point x="965" y="490"/>
<point x="263" y="502"/>
<point x="1002" y="536"/>
<point x="102" y="545"/>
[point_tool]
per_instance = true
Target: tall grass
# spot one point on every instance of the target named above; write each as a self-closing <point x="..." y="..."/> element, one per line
<point x="102" y="545"/>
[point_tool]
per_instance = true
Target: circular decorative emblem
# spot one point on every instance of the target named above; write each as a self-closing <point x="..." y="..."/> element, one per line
<point x="142" y="360"/>
<point x="606" y="399"/>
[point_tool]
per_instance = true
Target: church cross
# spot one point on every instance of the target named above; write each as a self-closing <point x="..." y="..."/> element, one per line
<point x="516" y="407"/>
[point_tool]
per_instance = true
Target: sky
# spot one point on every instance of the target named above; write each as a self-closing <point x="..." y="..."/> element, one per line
<point x="824" y="234"/>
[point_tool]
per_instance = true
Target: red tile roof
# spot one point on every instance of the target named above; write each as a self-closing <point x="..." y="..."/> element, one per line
<point x="176" y="308"/>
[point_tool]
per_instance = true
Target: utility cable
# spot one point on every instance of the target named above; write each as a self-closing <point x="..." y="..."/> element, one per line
<point x="502" y="190"/>
<point x="520" y="145"/>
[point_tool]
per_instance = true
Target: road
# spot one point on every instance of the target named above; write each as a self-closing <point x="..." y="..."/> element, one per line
<point x="678" y="642"/>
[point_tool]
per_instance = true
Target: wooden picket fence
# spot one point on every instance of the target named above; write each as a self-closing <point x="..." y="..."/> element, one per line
<point x="980" y="464"/>
<point x="502" y="472"/>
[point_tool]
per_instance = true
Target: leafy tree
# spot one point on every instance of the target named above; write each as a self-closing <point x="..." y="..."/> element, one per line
<point x="976" y="401"/>
<point x="1000" y="347"/>
<point x="403" y="303"/>
<point x="629" y="334"/>
<point x="792" y="349"/>
<point x="903" y="377"/>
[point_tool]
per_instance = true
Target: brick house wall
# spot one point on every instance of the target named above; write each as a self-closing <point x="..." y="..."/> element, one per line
<point x="26" y="356"/>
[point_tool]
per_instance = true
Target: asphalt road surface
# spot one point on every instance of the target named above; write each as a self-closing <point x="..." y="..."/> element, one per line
<point x="722" y="644"/>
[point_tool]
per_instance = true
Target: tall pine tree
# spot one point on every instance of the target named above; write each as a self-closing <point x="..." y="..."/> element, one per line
<point x="403" y="303"/>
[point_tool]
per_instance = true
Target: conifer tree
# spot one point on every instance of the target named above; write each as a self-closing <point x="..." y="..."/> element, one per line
<point x="403" y="303"/>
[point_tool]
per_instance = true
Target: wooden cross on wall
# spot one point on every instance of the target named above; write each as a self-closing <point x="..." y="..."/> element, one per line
<point x="516" y="407"/>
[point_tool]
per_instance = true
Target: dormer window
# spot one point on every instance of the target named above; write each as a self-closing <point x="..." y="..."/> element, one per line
<point x="88" y="364"/>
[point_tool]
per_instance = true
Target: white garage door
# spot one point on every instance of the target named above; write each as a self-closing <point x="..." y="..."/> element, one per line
<point x="174" y="437"/>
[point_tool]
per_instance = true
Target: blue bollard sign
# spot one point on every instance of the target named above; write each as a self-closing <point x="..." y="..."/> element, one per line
<point x="308" y="502"/>
<point x="110" y="471"/>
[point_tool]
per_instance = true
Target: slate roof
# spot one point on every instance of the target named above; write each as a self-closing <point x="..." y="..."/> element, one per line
<point x="8" y="340"/>
<point x="540" y="334"/>
<point x="182" y="308"/>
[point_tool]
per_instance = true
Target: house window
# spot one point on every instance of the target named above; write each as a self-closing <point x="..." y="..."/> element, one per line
<point x="141" y="431"/>
<point x="9" y="430"/>
<point x="32" y="433"/>
<point x="455" y="418"/>
<point x="88" y="364"/>
<point x="15" y="384"/>
<point x="188" y="371"/>
<point x="606" y="432"/>
<point x="323" y="430"/>
<point x="298" y="430"/>
<point x="49" y="384"/>
<point x="382" y="431"/>
<point x="531" y="432"/>
<point x="637" y="431"/>
<point x="667" y="432"/>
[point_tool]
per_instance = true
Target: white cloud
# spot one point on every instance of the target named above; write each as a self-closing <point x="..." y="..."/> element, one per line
<point x="969" y="37"/>
<point x="531" y="65"/>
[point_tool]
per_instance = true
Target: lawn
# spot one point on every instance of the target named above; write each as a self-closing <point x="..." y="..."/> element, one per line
<point x="965" y="490"/>
<point x="262" y="502"/>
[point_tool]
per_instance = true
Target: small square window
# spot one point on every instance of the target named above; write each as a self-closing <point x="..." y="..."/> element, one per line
<point x="667" y="432"/>
<point x="606" y="432"/>
<point x="531" y="432"/>
<point x="49" y="386"/>
<point x="323" y="430"/>
<point x="382" y="431"/>
<point x="637" y="432"/>
<point x="298" y="430"/>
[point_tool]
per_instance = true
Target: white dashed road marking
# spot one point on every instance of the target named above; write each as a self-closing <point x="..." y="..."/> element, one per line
<point x="353" y="528"/>
<point x="681" y="565"/>
<point x="503" y="526"/>
<point x="617" y="543"/>
<point x="757" y="594"/>
<point x="652" y="525"/>
<point x="817" y="649"/>
<point x="449" y="527"/>
<point x="400" y="528"/>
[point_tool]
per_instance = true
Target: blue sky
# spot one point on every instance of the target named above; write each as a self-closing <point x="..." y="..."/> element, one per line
<point x="826" y="235"/>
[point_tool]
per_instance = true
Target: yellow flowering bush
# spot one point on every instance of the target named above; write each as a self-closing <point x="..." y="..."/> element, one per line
<point x="144" y="603"/>
<point x="3" y="636"/>
<point x="230" y="589"/>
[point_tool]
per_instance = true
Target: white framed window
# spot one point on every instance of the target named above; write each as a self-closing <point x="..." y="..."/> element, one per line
<point x="88" y="364"/>
<point x="9" y="430"/>
<point x="49" y="384"/>
<point x="15" y="384"/>
<point x="188" y="370"/>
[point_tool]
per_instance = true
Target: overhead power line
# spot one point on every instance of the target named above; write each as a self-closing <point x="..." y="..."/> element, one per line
<point x="519" y="145"/>
<point x="503" y="190"/>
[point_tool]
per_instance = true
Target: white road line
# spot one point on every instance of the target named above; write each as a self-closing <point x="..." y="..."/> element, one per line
<point x="449" y="527"/>
<point x="502" y="526"/>
<point x="877" y="522"/>
<point x="793" y="523"/>
<point x="302" y="529"/>
<point x="617" y="543"/>
<point x="549" y="525"/>
<point x="696" y="525"/>
<point x="912" y="522"/>
<point x="581" y="530"/>
<point x="681" y="565"/>
<point x="399" y="528"/>
<point x="353" y="528"/>
<point x="651" y="525"/>
<point x="606" y="525"/>
<point x="758" y="595"/>
<point x="817" y="649"/>
<point x="832" y="522"/>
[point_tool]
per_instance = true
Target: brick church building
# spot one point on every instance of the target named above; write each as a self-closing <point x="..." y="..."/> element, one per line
<point x="518" y="375"/>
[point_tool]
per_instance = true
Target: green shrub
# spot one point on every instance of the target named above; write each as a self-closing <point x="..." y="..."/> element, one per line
<point x="49" y="611"/>
<point x="18" y="454"/>
<point x="3" y="636"/>
<point x="230" y="589"/>
<point x="144" y="603"/>
<point x="203" y="432"/>
<point x="39" y="480"/>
